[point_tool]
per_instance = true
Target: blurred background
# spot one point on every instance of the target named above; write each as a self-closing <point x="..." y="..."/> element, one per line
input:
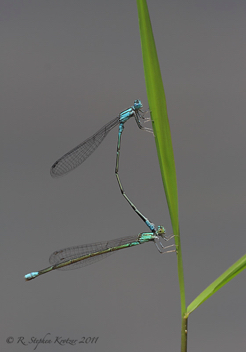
<point x="67" y="69"/>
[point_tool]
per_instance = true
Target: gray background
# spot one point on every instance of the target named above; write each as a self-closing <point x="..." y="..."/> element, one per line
<point x="67" y="68"/>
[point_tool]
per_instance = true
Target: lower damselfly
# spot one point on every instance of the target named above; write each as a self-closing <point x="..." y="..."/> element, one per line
<point x="83" y="255"/>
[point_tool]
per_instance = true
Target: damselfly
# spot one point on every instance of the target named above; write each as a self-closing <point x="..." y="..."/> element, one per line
<point x="79" y="154"/>
<point x="79" y="256"/>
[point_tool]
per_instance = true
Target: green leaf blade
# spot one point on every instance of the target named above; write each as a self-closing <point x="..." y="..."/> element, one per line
<point x="158" y="109"/>
<point x="221" y="281"/>
<point x="161" y="128"/>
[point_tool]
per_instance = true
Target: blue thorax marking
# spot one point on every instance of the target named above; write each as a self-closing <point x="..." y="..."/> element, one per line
<point x="126" y="114"/>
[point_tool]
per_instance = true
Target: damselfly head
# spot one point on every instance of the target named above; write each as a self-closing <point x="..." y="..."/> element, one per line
<point x="160" y="231"/>
<point x="137" y="104"/>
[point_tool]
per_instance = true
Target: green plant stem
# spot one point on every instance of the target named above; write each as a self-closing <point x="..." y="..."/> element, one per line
<point x="184" y="333"/>
<point x="181" y="277"/>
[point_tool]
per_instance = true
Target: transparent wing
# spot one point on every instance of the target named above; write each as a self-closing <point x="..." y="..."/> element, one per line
<point x="67" y="254"/>
<point x="79" y="154"/>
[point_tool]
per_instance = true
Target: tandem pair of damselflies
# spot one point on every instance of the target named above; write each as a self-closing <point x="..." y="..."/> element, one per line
<point x="79" y="256"/>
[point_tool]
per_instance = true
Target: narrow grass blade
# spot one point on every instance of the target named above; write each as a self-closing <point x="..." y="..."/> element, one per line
<point x="228" y="275"/>
<point x="158" y="109"/>
<point x="161" y="128"/>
